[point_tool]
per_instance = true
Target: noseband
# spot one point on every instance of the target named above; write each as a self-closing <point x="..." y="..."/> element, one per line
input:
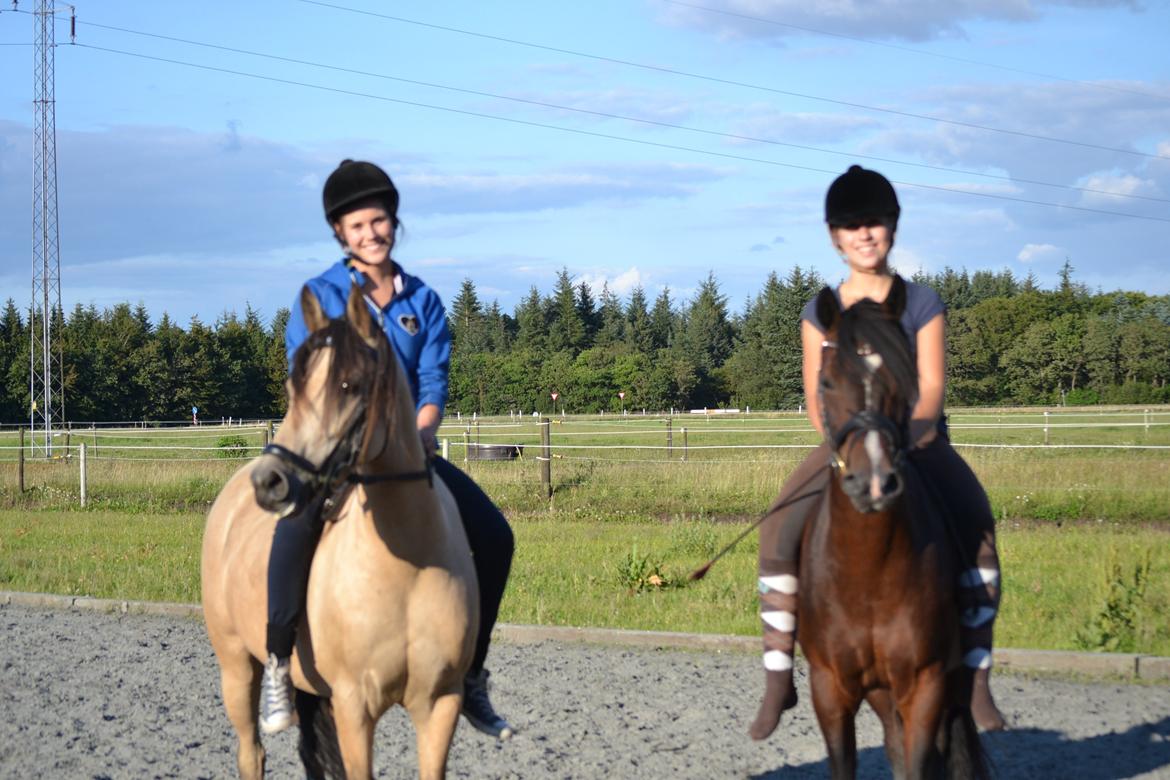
<point x="336" y="472"/>
<point x="865" y="420"/>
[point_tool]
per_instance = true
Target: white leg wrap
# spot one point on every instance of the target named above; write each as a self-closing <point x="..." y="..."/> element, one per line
<point x="776" y="661"/>
<point x="978" y="658"/>
<point x="781" y="621"/>
<point x="785" y="583"/>
<point x="975" y="578"/>
<point x="977" y="616"/>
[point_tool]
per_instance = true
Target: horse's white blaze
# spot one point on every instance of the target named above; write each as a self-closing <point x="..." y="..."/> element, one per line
<point x="974" y="578"/>
<point x="873" y="361"/>
<point x="785" y="583"/>
<point x="977" y="616"/>
<point x="777" y="661"/>
<point x="780" y="620"/>
<point x="978" y="658"/>
<point x="873" y="448"/>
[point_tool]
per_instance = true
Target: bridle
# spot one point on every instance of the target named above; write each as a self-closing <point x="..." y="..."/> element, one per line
<point x="338" y="471"/>
<point x="863" y="421"/>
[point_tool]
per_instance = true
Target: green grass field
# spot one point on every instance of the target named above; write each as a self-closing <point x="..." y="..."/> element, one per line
<point x="1075" y="523"/>
<point x="1056" y="579"/>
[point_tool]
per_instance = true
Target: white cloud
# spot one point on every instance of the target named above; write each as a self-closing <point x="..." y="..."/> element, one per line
<point x="1114" y="188"/>
<point x="912" y="20"/>
<point x="621" y="284"/>
<point x="1032" y="252"/>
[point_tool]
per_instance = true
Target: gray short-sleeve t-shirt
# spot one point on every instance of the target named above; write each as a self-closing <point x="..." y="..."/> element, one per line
<point x="922" y="306"/>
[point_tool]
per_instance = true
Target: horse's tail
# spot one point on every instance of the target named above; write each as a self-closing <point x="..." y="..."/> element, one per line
<point x="964" y="756"/>
<point x="319" y="749"/>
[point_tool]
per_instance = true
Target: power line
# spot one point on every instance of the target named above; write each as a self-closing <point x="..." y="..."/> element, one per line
<point x="921" y="52"/>
<point x="608" y="115"/>
<point x="595" y="134"/>
<point x="744" y="84"/>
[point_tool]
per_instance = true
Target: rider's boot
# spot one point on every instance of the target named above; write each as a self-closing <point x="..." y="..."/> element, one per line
<point x="276" y="695"/>
<point x="477" y="707"/>
<point x="778" y="613"/>
<point x="979" y="594"/>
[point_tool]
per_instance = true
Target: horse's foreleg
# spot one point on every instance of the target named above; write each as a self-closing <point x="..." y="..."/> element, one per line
<point x="921" y="713"/>
<point x="434" y="728"/>
<point x="355" y="734"/>
<point x="240" y="681"/>
<point x="882" y="703"/>
<point x="835" y="713"/>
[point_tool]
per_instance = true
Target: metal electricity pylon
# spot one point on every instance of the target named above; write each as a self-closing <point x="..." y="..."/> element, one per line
<point x="46" y="373"/>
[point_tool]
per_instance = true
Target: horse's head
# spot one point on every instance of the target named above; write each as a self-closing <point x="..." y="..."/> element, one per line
<point x="341" y="383"/>
<point x="867" y="387"/>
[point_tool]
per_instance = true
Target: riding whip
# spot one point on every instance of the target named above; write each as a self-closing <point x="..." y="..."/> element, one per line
<point x="701" y="572"/>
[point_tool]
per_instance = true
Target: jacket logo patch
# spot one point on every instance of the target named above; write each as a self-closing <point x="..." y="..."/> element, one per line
<point x="409" y="323"/>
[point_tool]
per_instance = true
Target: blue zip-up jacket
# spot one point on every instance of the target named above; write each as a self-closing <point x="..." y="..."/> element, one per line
<point x="414" y="321"/>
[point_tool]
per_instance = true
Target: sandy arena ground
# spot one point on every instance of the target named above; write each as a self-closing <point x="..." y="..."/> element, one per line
<point x="89" y="695"/>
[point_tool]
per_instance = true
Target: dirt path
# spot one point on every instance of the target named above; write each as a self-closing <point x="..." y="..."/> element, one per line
<point x="87" y="695"/>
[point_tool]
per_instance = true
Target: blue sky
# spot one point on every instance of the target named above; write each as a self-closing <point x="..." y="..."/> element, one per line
<point x="630" y="141"/>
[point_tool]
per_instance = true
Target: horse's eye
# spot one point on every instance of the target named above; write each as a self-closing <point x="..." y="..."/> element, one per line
<point x="826" y="384"/>
<point x="349" y="387"/>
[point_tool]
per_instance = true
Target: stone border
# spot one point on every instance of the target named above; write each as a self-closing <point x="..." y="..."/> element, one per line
<point x="1120" y="665"/>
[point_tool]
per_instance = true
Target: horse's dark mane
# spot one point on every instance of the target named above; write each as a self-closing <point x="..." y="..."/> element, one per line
<point x="866" y="322"/>
<point x="354" y="361"/>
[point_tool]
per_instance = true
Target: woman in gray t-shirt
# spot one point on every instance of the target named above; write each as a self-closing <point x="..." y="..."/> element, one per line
<point x="862" y="211"/>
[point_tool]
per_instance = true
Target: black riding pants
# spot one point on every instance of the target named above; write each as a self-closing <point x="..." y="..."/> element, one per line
<point x="488" y="534"/>
<point x="492" y="545"/>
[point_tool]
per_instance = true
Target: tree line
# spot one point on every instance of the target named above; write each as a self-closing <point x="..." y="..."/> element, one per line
<point x="1009" y="342"/>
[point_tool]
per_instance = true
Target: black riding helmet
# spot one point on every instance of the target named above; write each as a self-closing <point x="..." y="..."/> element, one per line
<point x="353" y="182"/>
<point x="860" y="194"/>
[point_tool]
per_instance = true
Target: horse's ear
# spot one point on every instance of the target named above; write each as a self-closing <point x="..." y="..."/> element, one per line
<point x="896" y="301"/>
<point x="358" y="314"/>
<point x="828" y="307"/>
<point x="311" y="311"/>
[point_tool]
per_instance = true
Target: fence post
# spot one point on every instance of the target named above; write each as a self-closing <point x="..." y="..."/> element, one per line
<point x="1046" y="427"/>
<point x="81" y="450"/>
<point x="546" y="457"/>
<point x="445" y="448"/>
<point x="95" y="441"/>
<point x="669" y="439"/>
<point x="1146" y="417"/>
<point x="20" y="461"/>
<point x="467" y="444"/>
<point x="477" y="433"/>
<point x="684" y="433"/>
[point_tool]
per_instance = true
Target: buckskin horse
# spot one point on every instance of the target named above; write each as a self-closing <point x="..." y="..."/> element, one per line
<point x="392" y="603"/>
<point x="879" y="619"/>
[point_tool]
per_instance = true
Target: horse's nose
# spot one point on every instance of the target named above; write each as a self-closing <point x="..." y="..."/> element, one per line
<point x="889" y="487"/>
<point x="273" y="487"/>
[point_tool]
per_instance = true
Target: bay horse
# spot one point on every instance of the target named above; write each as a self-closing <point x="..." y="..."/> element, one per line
<point x="392" y="603"/>
<point x="879" y="616"/>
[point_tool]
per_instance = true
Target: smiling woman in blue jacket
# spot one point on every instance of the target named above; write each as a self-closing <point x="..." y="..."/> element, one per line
<point x="361" y="205"/>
